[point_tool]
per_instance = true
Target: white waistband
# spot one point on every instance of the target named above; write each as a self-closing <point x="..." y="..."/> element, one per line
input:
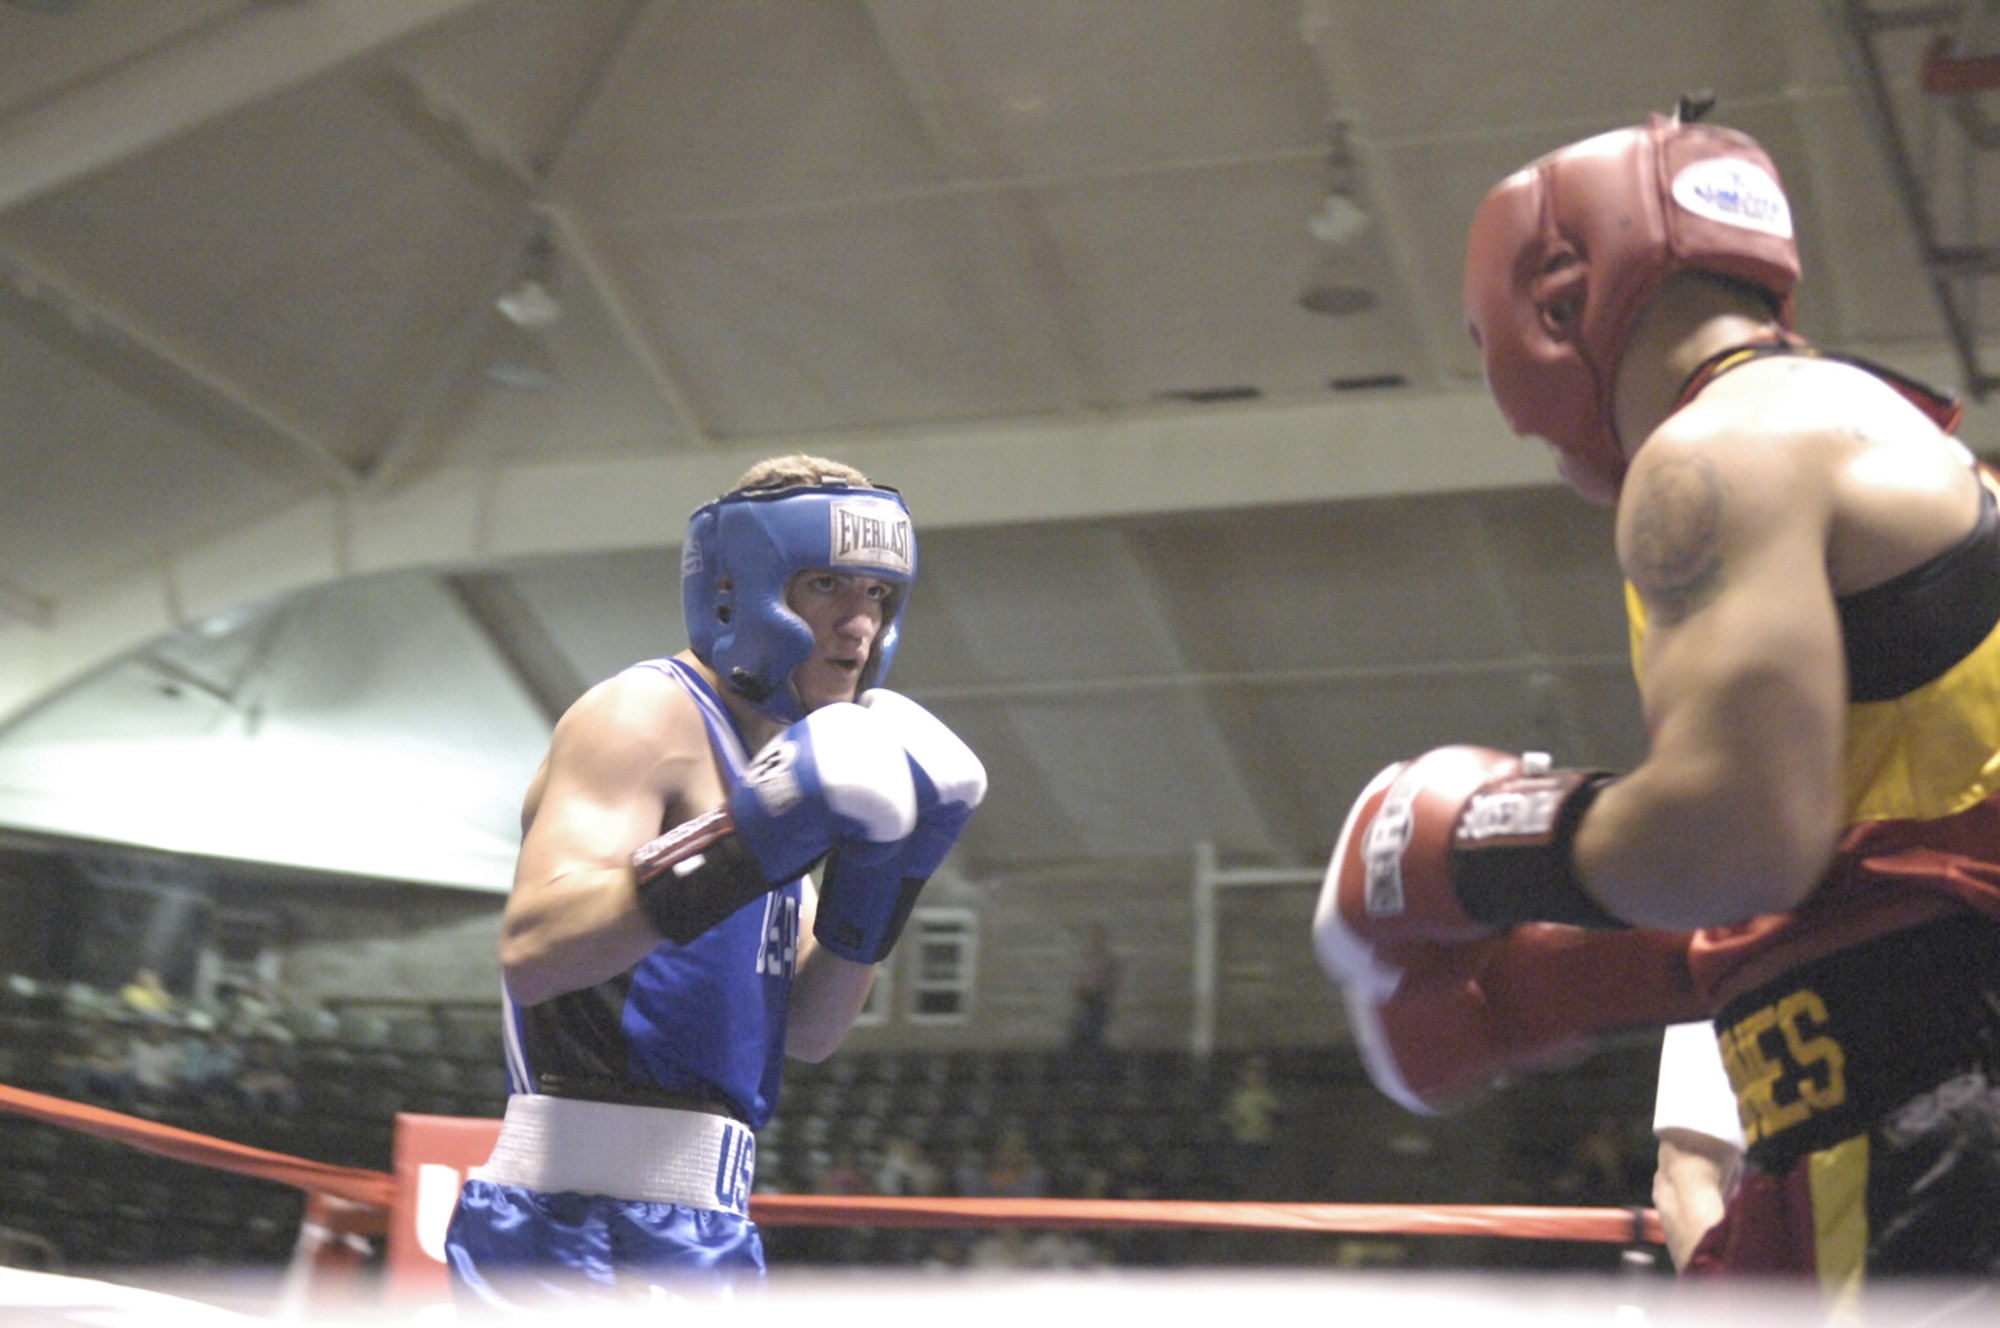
<point x="651" y="1154"/>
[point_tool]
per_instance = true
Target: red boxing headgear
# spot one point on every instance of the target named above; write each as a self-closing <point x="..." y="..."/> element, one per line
<point x="1565" y="252"/>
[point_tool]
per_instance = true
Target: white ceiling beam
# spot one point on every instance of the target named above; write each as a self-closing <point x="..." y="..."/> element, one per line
<point x="573" y="239"/>
<point x="1227" y="458"/>
<point x="501" y="169"/>
<point x="520" y="640"/>
<point x="264" y="49"/>
<point x="1045" y="303"/>
<point x="173" y="377"/>
<point x="1230" y="457"/>
<point x="416" y="435"/>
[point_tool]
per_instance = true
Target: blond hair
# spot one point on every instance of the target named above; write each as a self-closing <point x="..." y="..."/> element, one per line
<point x="798" y="470"/>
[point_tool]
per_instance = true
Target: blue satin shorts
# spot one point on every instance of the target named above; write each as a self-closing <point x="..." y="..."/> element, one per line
<point x="514" y="1248"/>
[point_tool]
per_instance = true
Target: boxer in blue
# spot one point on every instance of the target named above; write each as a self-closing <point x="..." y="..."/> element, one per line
<point x="664" y="946"/>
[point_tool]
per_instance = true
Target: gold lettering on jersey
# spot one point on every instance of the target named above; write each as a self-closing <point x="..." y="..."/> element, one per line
<point x="1784" y="1065"/>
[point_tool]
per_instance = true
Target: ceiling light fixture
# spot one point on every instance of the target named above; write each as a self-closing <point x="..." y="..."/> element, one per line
<point x="1333" y="290"/>
<point x="532" y="301"/>
<point x="520" y="360"/>
<point x="1341" y="219"/>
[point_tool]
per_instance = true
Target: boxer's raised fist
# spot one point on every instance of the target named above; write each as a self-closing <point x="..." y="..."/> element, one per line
<point x="839" y="774"/>
<point x="1458" y="844"/>
<point x="1463" y="1016"/>
<point x="866" y="893"/>
<point x="1441" y="862"/>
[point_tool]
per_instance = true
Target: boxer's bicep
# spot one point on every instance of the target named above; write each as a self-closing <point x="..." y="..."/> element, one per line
<point x="1735" y="807"/>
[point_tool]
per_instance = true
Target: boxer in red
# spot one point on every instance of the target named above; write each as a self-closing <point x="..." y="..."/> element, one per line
<point x="1810" y="850"/>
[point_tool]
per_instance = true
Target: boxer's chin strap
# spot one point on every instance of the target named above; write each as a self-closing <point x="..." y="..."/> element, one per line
<point x="696" y="875"/>
<point x="1513" y="852"/>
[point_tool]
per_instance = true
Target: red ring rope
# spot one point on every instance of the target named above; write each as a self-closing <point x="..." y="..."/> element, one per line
<point x="1621" y="1225"/>
<point x="376" y="1189"/>
<point x="354" y="1184"/>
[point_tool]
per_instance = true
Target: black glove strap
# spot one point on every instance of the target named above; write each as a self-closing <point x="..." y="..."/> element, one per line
<point x="695" y="876"/>
<point x="848" y="940"/>
<point x="1513" y="853"/>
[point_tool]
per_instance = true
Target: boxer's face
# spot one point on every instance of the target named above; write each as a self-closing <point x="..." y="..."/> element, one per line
<point x="845" y="613"/>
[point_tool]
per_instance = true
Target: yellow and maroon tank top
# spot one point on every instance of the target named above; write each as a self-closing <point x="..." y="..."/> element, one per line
<point x="1921" y="768"/>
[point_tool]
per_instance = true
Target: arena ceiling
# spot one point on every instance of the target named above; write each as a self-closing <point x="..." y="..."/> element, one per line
<point x="1149" y="306"/>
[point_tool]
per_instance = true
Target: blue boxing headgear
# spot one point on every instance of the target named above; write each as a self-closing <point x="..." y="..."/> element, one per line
<point x="742" y="550"/>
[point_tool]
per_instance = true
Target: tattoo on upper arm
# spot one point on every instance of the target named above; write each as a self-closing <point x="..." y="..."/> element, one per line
<point x="1670" y="552"/>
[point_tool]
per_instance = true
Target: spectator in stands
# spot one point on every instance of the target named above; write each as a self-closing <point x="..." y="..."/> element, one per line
<point x="264" y="1085"/>
<point x="100" y="1067"/>
<point x="1064" y="1250"/>
<point x="305" y="1017"/>
<point x="906" y="1169"/>
<point x="999" y="1249"/>
<point x="1013" y="1171"/>
<point x="1010" y="1247"/>
<point x="843" y="1174"/>
<point x="145" y="994"/>
<point x="968" y="1172"/>
<point x="949" y="1252"/>
<point x="1133" y="1175"/>
<point x="1091" y="992"/>
<point x="206" y="1070"/>
<point x="252" y="1011"/>
<point x="1603" y="1166"/>
<point x="1250" y="1118"/>
<point x="152" y="1062"/>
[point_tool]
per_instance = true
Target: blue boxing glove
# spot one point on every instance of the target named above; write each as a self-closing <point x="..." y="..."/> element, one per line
<point x="868" y="890"/>
<point x="833" y="775"/>
<point x="838" y="775"/>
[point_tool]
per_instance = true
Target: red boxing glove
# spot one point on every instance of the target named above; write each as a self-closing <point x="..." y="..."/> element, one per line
<point x="1463" y="1017"/>
<point x="1459" y="844"/>
<point x="1439" y="860"/>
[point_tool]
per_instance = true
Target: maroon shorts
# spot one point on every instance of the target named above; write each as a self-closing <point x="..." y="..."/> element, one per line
<point x="1868" y="1082"/>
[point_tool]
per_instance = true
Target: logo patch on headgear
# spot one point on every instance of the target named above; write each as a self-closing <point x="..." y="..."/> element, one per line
<point x="1735" y="193"/>
<point x="869" y="532"/>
